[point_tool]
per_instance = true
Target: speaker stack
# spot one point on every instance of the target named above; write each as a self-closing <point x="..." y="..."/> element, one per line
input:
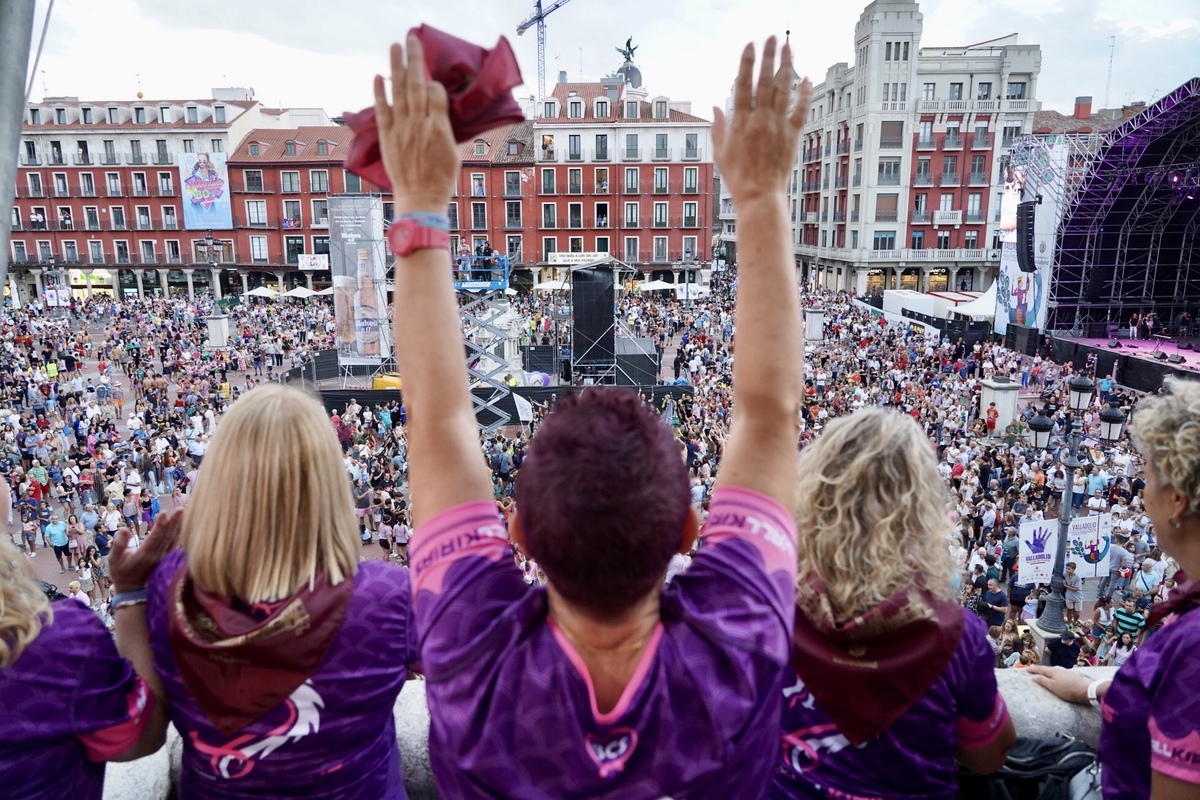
<point x="1025" y="219"/>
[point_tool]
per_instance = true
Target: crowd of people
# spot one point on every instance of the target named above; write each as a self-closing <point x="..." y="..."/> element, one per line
<point x="655" y="580"/>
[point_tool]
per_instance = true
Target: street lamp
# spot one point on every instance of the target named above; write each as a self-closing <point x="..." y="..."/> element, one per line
<point x="1040" y="428"/>
<point x="1080" y="390"/>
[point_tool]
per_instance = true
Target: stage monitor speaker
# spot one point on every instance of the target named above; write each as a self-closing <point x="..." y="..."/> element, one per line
<point x="1175" y="358"/>
<point x="1187" y="346"/>
<point x="1114" y="343"/>
<point x="1160" y="355"/>
<point x="1025" y="218"/>
<point x="593" y="334"/>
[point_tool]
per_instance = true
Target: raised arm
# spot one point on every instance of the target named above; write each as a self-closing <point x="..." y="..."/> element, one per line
<point x="419" y="153"/>
<point x="755" y="151"/>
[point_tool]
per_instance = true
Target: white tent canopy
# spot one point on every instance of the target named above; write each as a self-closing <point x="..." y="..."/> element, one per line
<point x="655" y="286"/>
<point x="982" y="307"/>
<point x="326" y="292"/>
<point x="262" y="291"/>
<point x="553" y="286"/>
<point x="302" y="292"/>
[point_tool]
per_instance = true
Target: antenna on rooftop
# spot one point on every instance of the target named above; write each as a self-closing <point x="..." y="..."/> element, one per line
<point x="1111" y="48"/>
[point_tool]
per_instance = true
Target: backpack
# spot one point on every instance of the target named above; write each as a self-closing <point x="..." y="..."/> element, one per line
<point x="1062" y="768"/>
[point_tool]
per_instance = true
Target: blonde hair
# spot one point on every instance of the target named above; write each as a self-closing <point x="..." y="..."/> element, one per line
<point x="23" y="607"/>
<point x="871" y="512"/>
<point x="272" y="505"/>
<point x="1166" y="430"/>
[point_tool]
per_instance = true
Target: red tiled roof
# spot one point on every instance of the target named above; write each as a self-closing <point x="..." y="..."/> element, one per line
<point x="272" y="145"/>
<point x="1054" y="122"/>
<point x="496" y="146"/>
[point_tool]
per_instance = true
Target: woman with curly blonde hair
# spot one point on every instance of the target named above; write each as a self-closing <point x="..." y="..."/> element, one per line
<point x="1150" y="739"/>
<point x="883" y="656"/>
<point x="69" y="702"/>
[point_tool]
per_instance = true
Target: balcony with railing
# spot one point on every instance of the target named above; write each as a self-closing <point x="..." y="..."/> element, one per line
<point x="633" y="187"/>
<point x="135" y="159"/>
<point x="923" y="179"/>
<point x="661" y="188"/>
<point x="854" y="215"/>
<point x="893" y="105"/>
<point x="812" y="217"/>
<point x="169" y="223"/>
<point x="950" y="179"/>
<point x="550" y="188"/>
<point x="601" y="154"/>
<point x="478" y="223"/>
<point x="548" y="154"/>
<point x="825" y="216"/>
<point x="574" y="187"/>
<point x="843" y="148"/>
<point x="952" y="141"/>
<point x="839" y="216"/>
<point x="828" y="148"/>
<point x="889" y="179"/>
<point x="858" y="145"/>
<point x="839" y="182"/>
<point x="660" y="222"/>
<point x="575" y="220"/>
<point x="693" y="153"/>
<point x="857" y="181"/>
<point x="891" y="142"/>
<point x="691" y="188"/>
<point x="164" y="191"/>
<point x="512" y="223"/>
<point x="887" y="216"/>
<point x="825" y="182"/>
<point x="110" y="159"/>
<point x="947" y="217"/>
<point x="601" y="221"/>
<point x="981" y="141"/>
<point x="976" y="217"/>
<point x="63" y="190"/>
<point x="83" y="160"/>
<point x="254" y="185"/>
<point x="512" y="190"/>
<point x="978" y="178"/>
<point x="574" y="155"/>
<point x="631" y="154"/>
<point x="28" y="160"/>
<point x="140" y="191"/>
<point x="56" y="160"/>
<point x="921" y="217"/>
<point x="662" y="154"/>
<point x="926" y="143"/>
<point x="164" y="158"/>
<point x="113" y="191"/>
<point x="1007" y="141"/>
<point x="812" y="186"/>
<point x="549" y="222"/>
<point x="1016" y="105"/>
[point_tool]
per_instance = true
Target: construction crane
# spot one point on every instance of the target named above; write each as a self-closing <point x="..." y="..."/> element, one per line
<point x="538" y="17"/>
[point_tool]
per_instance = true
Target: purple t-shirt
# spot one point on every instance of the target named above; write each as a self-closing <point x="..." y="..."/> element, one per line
<point x="1152" y="712"/>
<point x="335" y="736"/>
<point x="512" y="704"/>
<point x="914" y="757"/>
<point x="70" y="682"/>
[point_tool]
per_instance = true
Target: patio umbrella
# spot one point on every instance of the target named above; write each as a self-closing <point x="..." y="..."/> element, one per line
<point x="553" y="286"/>
<point x="655" y="286"/>
<point x="303" y="292"/>
<point x="326" y="292"/>
<point x="263" y="291"/>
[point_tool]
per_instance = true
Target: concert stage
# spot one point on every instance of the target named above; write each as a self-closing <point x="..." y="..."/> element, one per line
<point x="1137" y="363"/>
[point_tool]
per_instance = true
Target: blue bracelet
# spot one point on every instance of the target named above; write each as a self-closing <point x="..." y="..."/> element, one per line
<point x="425" y="220"/>
<point x="135" y="597"/>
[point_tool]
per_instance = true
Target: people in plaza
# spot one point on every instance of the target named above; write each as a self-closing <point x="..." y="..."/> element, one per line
<point x="1151" y="710"/>
<point x="270" y="552"/>
<point x="627" y="689"/>
<point x="892" y="682"/>
<point x="69" y="702"/>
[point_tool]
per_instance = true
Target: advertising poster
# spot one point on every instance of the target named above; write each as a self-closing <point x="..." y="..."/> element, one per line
<point x="356" y="265"/>
<point x="1035" y="557"/>
<point x="206" y="201"/>
<point x="1089" y="541"/>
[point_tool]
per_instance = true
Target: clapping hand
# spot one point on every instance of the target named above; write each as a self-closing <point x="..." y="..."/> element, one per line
<point x="130" y="569"/>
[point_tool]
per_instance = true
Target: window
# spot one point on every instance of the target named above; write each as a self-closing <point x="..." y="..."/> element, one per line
<point x="173" y="252"/>
<point x="575" y="181"/>
<point x="117" y="215"/>
<point x="254" y="180"/>
<point x="143" y="218"/>
<point x="956" y="91"/>
<point x="193" y="114"/>
<point x="253" y="149"/>
<point x="60" y="116"/>
<point x="548" y="179"/>
<point x="929" y="91"/>
<point x="574" y="147"/>
<point x="21" y="254"/>
<point x="631" y="180"/>
<point x="946" y="202"/>
<point x="322" y="148"/>
<point x="318" y="180"/>
<point x="189" y="145"/>
<point x="660" y="248"/>
<point x="660" y="109"/>
<point x="512" y="214"/>
<point x="135" y="152"/>
<point x="122" y="252"/>
<point x="512" y="184"/>
<point x="256" y="213"/>
<point x="660" y="146"/>
<point x="452" y="215"/>
<point x="660" y="180"/>
<point x="575" y="215"/>
<point x="291" y="214"/>
<point x="480" y="148"/>
<point x="478" y="188"/>
<point x="660" y="215"/>
<point x="87" y="116"/>
<point x="352" y="182"/>
<point x="478" y="216"/>
<point x="631" y="248"/>
<point x="943" y="240"/>
<point x="148" y="256"/>
<point x="293" y="246"/>
<point x="1015" y="91"/>
<point x="631" y="146"/>
<point x="891" y="135"/>
<point x="289" y="182"/>
<point x="887" y="53"/>
<point x="217" y="145"/>
<point x="918" y="240"/>
<point x="164" y="114"/>
<point x="321" y="245"/>
<point x="139" y="116"/>
<point x="887" y="207"/>
<point x="87" y="185"/>
<point x="601" y="147"/>
<point x="258" y="249"/>
<point x="514" y="148"/>
<point x="889" y="172"/>
<point x="884" y="240"/>
<point x="112" y="183"/>
<point x="601" y="184"/>
<point x="549" y="245"/>
<point x="690" y="216"/>
<point x="289" y="148"/>
<point x="170" y="221"/>
<point x="903" y="92"/>
<point x="601" y="108"/>
<point x="971" y="240"/>
<point x="631" y="109"/>
<point x="983" y="91"/>
<point x="631" y="215"/>
<point x="60" y="184"/>
<point x="95" y="252"/>
<point x="114" y="116"/>
<point x="219" y="113"/>
<point x="91" y="218"/>
<point x="691" y="145"/>
<point x="548" y="110"/>
<point x="513" y="248"/>
<point x="601" y="244"/>
<point x="575" y="109"/>
<point x="905" y="56"/>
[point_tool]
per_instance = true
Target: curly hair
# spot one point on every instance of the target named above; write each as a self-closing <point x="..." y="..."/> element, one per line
<point x="871" y="512"/>
<point x="1166" y="430"/>
<point x="23" y="607"/>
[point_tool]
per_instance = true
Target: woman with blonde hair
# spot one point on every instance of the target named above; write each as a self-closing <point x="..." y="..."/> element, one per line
<point x="280" y="654"/>
<point x="68" y="701"/>
<point x="884" y="658"/>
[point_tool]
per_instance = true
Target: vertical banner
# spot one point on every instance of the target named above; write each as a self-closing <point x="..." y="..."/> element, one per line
<point x="1039" y="541"/>
<point x="206" y="202"/>
<point x="1089" y="541"/>
<point x="357" y="266"/>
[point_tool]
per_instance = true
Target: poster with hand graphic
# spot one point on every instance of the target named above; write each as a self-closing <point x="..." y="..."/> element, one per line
<point x="206" y="202"/>
<point x="1089" y="541"/>
<point x="1035" y="556"/>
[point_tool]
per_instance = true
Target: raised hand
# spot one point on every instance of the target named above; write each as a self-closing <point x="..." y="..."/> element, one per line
<point x="1037" y="544"/>
<point x="415" y="138"/>
<point x="755" y="149"/>
<point x="130" y="569"/>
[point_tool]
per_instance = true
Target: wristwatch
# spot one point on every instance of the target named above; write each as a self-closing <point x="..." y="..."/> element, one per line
<point x="413" y="232"/>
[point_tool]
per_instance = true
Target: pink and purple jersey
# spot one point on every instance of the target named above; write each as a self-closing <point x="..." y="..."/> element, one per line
<point x="335" y="736"/>
<point x="912" y="758"/>
<point x="512" y="704"/>
<point x="1152" y="712"/>
<point x="69" y="703"/>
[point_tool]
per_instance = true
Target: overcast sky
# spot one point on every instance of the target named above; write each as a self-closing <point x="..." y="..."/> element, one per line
<point x="302" y="53"/>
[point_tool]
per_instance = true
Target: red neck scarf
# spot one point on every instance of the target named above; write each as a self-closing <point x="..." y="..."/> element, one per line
<point x="240" y="660"/>
<point x="1184" y="597"/>
<point x="867" y="672"/>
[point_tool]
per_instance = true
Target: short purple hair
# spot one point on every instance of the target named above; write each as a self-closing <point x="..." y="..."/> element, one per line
<point x="603" y="498"/>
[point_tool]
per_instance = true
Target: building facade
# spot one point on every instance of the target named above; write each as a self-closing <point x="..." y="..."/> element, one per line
<point x="100" y="198"/>
<point x="621" y="172"/>
<point x="899" y="173"/>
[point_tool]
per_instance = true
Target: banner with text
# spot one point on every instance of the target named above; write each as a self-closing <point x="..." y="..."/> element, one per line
<point x="1035" y="557"/>
<point x="206" y="202"/>
<point x="357" y="267"/>
<point x="1089" y="541"/>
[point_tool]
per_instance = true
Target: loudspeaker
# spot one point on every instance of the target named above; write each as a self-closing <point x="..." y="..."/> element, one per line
<point x="593" y="334"/>
<point x="1187" y="346"/>
<point x="1114" y="343"/>
<point x="1175" y="358"/>
<point x="1025" y="218"/>
<point x="1160" y="355"/>
<point x="539" y="358"/>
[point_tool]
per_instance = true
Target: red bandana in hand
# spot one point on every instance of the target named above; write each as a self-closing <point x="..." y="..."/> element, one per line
<point x="478" y="83"/>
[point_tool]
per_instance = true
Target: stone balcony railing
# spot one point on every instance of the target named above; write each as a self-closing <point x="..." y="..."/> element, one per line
<point x="1035" y="712"/>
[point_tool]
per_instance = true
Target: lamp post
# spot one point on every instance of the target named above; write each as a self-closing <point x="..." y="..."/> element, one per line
<point x="1080" y="391"/>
